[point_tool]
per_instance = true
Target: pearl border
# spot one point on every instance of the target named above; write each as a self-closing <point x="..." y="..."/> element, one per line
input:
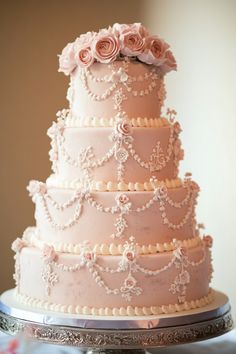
<point x="116" y="311"/>
<point x="31" y="236"/>
<point x="111" y="186"/>
<point x="77" y="122"/>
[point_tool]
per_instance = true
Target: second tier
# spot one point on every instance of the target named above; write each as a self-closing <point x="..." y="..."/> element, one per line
<point x="120" y="153"/>
<point x="67" y="216"/>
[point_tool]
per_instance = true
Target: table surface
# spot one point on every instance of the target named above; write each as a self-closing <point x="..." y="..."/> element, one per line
<point x="225" y="344"/>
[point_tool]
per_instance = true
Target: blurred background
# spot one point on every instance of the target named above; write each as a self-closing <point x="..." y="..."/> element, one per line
<point x="202" y="35"/>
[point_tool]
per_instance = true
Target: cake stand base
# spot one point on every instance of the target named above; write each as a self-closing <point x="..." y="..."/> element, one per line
<point x="117" y="351"/>
<point x="109" y="335"/>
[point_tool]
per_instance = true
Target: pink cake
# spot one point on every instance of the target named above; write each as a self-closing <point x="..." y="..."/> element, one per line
<point x="116" y="232"/>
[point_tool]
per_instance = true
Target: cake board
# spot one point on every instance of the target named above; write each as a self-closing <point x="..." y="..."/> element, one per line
<point x="110" y="335"/>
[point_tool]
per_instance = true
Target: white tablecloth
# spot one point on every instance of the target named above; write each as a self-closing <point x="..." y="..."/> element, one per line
<point x="225" y="344"/>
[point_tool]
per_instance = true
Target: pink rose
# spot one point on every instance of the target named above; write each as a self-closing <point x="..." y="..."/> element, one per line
<point x="130" y="282"/>
<point x="131" y="44"/>
<point x="88" y="257"/>
<point x="36" y="187"/>
<point x="132" y="39"/>
<point x="67" y="59"/>
<point x="208" y="240"/>
<point x="154" y="52"/>
<point x="55" y="129"/>
<point x="18" y="244"/>
<point x="49" y="254"/>
<point x="123" y="128"/>
<point x="130" y="256"/>
<point x="161" y="191"/>
<point x="84" y="57"/>
<point x="82" y="49"/>
<point x="122" y="199"/>
<point x="170" y="62"/>
<point x="106" y="47"/>
<point x="177" y="128"/>
<point x="84" y="40"/>
<point x="137" y="26"/>
<point x="119" y="28"/>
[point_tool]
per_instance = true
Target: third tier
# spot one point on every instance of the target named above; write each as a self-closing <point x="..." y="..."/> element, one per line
<point x="67" y="216"/>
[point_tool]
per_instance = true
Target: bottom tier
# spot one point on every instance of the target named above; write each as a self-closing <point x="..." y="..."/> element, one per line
<point x="128" y="284"/>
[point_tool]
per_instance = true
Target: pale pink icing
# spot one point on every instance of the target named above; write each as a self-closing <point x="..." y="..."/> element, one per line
<point x="82" y="105"/>
<point x="79" y="287"/>
<point x="145" y="140"/>
<point x="147" y="226"/>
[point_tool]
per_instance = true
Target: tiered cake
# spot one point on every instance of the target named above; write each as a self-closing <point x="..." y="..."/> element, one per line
<point x="115" y="231"/>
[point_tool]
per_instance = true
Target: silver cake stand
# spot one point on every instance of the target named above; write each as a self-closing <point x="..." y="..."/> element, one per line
<point x="115" y="335"/>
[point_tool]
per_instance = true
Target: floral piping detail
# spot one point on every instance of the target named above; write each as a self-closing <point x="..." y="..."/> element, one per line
<point x="49" y="276"/>
<point x="171" y="114"/>
<point x="123" y="206"/>
<point x="121" y="134"/>
<point x="122" y="149"/>
<point x="129" y="265"/>
<point x="157" y="158"/>
<point x="179" y="286"/>
<point x="118" y="98"/>
<point x="120" y="76"/>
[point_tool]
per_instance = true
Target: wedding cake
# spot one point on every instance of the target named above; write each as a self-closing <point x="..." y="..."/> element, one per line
<point x="116" y="232"/>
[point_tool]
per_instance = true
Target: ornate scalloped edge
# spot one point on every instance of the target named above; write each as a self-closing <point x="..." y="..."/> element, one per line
<point x="102" y="186"/>
<point x="117" y="311"/>
<point x="30" y="235"/>
<point x="142" y="122"/>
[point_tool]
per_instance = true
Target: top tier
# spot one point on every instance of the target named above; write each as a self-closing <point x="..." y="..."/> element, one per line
<point x="111" y="69"/>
